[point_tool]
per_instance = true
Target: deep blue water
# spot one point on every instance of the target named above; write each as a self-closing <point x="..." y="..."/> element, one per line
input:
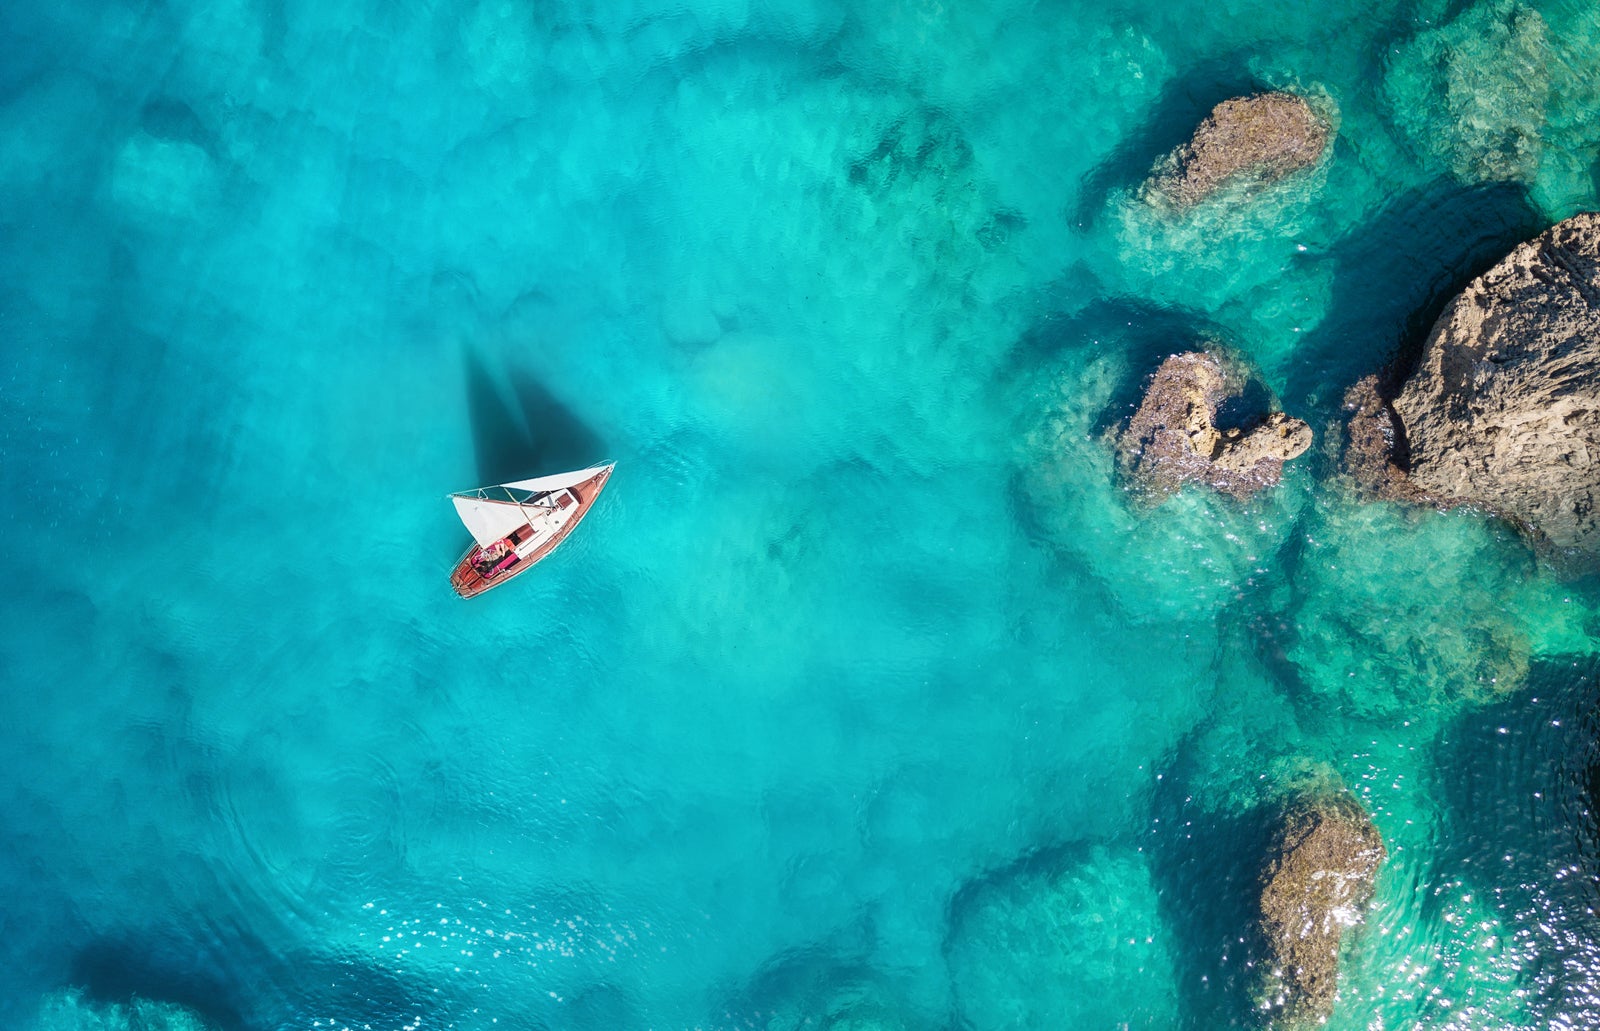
<point x="864" y="699"/>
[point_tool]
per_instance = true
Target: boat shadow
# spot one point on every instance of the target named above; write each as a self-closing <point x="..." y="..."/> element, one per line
<point x="521" y="429"/>
<point x="1206" y="865"/>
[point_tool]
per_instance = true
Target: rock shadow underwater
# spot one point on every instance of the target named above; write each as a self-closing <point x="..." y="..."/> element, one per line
<point x="1395" y="272"/>
<point x="205" y="979"/>
<point x="119" y="970"/>
<point x="821" y="988"/>
<point x="1183" y="104"/>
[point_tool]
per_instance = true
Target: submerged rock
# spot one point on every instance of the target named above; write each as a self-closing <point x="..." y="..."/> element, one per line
<point x="1091" y="924"/>
<point x="1257" y="140"/>
<point x="1174" y="438"/>
<point x="71" y="1010"/>
<point x="155" y="180"/>
<point x="1503" y="409"/>
<point x="1346" y="642"/>
<point x="1165" y="565"/>
<point x="813" y="994"/>
<point x="1317" y="881"/>
<point x="1475" y="90"/>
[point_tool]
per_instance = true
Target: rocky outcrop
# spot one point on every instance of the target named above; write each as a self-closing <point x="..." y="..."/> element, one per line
<point x="1174" y="438"/>
<point x="1375" y="451"/>
<point x="1254" y="140"/>
<point x="1317" y="881"/>
<point x="1503" y="409"/>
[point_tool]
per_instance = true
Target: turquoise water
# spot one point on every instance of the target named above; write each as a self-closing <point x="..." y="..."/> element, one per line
<point x="865" y="699"/>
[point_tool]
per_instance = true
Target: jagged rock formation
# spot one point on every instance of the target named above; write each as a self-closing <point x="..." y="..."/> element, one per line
<point x="1257" y="139"/>
<point x="1317" y="881"/>
<point x="1174" y="439"/>
<point x="1375" y="444"/>
<point x="1503" y="410"/>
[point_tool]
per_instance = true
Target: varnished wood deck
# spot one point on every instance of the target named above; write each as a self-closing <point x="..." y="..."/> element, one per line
<point x="469" y="583"/>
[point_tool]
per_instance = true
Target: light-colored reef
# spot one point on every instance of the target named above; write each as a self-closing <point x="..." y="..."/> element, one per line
<point x="1482" y="82"/>
<point x="1362" y="649"/>
<point x="1046" y="948"/>
<point x="1502" y="91"/>
<point x="70" y="1011"/>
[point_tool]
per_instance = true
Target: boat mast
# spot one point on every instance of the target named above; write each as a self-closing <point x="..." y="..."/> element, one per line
<point x="524" y="511"/>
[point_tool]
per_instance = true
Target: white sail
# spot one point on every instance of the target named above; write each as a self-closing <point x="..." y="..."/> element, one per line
<point x="491" y="513"/>
<point x="540" y="484"/>
<point x="487" y="520"/>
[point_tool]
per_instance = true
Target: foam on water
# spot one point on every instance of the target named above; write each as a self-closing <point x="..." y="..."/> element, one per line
<point x="868" y="698"/>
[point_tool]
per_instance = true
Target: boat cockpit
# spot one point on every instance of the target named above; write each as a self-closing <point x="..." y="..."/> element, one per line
<point x="547" y="514"/>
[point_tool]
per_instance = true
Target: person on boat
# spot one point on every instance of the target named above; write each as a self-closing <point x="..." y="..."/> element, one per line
<point x="487" y="557"/>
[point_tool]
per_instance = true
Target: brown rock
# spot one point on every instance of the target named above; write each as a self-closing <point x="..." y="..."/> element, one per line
<point x="1375" y="451"/>
<point x="1257" y="139"/>
<point x="1316" y="883"/>
<point x="1173" y="438"/>
<point x="1503" y="409"/>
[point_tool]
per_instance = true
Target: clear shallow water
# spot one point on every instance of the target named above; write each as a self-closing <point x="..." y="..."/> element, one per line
<point x="865" y="699"/>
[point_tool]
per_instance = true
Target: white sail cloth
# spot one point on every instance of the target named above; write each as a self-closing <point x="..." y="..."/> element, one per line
<point x="487" y="520"/>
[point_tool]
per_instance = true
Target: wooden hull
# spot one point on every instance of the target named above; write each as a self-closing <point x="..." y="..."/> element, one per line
<point x="470" y="578"/>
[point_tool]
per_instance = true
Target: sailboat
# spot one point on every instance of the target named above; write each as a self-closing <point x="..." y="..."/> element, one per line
<point x="514" y="525"/>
